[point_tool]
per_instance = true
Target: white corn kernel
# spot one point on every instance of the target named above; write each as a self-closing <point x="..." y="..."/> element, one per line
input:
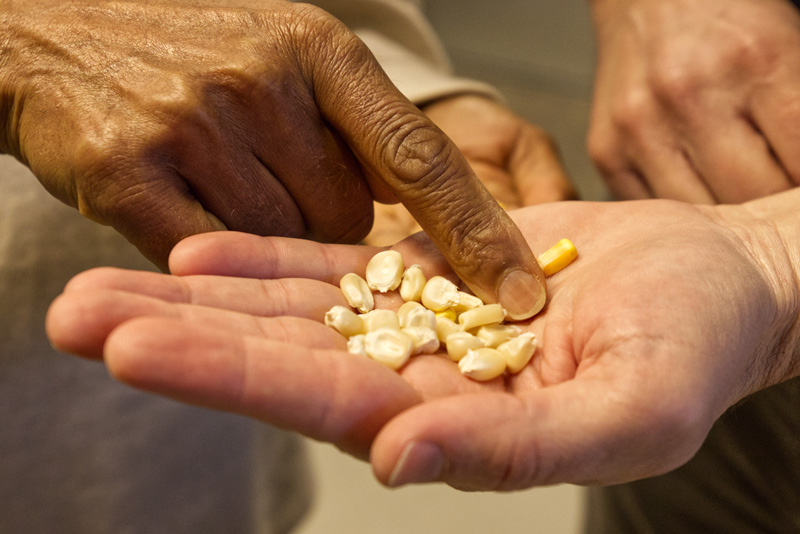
<point x="385" y="271"/>
<point x="518" y="351"/>
<point x="388" y="346"/>
<point x="439" y="294"/>
<point x="412" y="284"/>
<point x="445" y="327"/>
<point x="356" y="345"/>
<point x="484" y="315"/>
<point x="421" y="317"/>
<point x="459" y="343"/>
<point x="344" y="321"/>
<point x="494" y="335"/>
<point x="380" y="319"/>
<point x="466" y="302"/>
<point x="405" y="308"/>
<point x="425" y="340"/>
<point x="356" y="291"/>
<point x="482" y="364"/>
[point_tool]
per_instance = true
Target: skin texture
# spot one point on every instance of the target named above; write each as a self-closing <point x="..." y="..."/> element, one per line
<point x="697" y="101"/>
<point x="642" y="348"/>
<point x="517" y="162"/>
<point x="167" y="119"/>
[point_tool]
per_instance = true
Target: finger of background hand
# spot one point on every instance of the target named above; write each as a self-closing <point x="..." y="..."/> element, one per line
<point x="577" y="432"/>
<point x="327" y="395"/>
<point x="292" y="296"/>
<point x="776" y="115"/>
<point x="397" y="143"/>
<point x="734" y="159"/>
<point x="640" y="156"/>
<point x="537" y="171"/>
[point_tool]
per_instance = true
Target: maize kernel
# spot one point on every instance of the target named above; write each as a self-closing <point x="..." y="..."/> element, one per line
<point x="518" y="351"/>
<point x="482" y="364"/>
<point x="484" y="315"/>
<point x="459" y="343"/>
<point x="412" y="284"/>
<point x="439" y="294"/>
<point x="344" y="321"/>
<point x="388" y="346"/>
<point x="557" y="257"/>
<point x="356" y="292"/>
<point x="385" y="271"/>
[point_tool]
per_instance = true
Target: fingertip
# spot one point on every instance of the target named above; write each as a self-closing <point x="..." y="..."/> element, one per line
<point x="67" y="330"/>
<point x="522" y="294"/>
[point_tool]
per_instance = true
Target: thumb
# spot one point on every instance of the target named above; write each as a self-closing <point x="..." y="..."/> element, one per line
<point x="408" y="155"/>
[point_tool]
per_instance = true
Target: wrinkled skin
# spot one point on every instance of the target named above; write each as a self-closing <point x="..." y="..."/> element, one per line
<point x="516" y="161"/>
<point x="697" y="101"/>
<point x="642" y="347"/>
<point x="166" y="119"/>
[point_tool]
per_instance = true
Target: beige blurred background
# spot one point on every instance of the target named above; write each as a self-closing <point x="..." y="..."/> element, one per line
<point x="539" y="53"/>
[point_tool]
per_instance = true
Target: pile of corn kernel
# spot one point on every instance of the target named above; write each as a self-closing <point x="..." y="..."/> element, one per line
<point x="435" y="313"/>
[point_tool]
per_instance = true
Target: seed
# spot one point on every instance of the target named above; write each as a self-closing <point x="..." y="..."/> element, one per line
<point x="482" y="364"/>
<point x="445" y="327"/>
<point x="466" y="302"/>
<point x="439" y="294"/>
<point x="459" y="343"/>
<point x="484" y="315"/>
<point x="518" y="351"/>
<point x="385" y="271"/>
<point x="388" y="346"/>
<point x="496" y="334"/>
<point x="412" y="284"/>
<point x="557" y="257"/>
<point x="421" y="317"/>
<point x="356" y="292"/>
<point x="380" y="319"/>
<point x="345" y="321"/>
<point x="425" y="340"/>
<point x="355" y="345"/>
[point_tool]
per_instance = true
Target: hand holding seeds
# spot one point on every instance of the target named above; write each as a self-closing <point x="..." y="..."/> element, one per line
<point x="640" y="347"/>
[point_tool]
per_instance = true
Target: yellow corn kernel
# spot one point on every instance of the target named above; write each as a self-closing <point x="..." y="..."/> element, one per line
<point x="518" y="351"/>
<point x="449" y="313"/>
<point x="482" y="364"/>
<point x="557" y="257"/>
<point x="356" y="291"/>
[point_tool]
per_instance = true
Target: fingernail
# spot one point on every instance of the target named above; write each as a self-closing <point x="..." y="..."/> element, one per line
<point x="419" y="462"/>
<point x="521" y="294"/>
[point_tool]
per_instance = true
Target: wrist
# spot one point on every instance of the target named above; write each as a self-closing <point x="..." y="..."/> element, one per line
<point x="769" y="230"/>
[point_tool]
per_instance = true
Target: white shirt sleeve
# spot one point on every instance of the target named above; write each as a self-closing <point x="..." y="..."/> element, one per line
<point x="406" y="46"/>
